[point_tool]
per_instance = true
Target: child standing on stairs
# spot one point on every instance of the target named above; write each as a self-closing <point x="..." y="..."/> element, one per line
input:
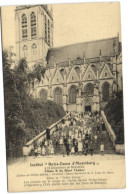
<point x="102" y="148"/>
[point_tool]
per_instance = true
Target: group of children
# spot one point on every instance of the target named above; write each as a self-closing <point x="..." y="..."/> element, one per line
<point x="76" y="135"/>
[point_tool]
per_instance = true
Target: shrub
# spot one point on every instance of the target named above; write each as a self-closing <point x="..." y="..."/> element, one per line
<point x="114" y="113"/>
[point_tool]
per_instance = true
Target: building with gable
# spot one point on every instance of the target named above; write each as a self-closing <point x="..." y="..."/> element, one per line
<point x="80" y="77"/>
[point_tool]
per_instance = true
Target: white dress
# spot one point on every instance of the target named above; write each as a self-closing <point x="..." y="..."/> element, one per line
<point x="72" y="150"/>
<point x="61" y="141"/>
<point x="46" y="143"/>
<point x="52" y="150"/>
<point x="102" y="147"/>
<point x="43" y="150"/>
<point x="70" y="133"/>
<point x="39" y="150"/>
<point x="80" y="146"/>
<point x="83" y="136"/>
<point x="76" y="135"/>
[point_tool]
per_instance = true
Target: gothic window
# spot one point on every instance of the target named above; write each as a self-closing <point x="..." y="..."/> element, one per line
<point x="62" y="71"/>
<point x="105" y="91"/>
<point x="58" y="98"/>
<point x="105" y="74"/>
<point x="43" y="95"/>
<point x="77" y="69"/>
<point x="24" y="27"/>
<point x="34" y="50"/>
<point x="33" y="25"/>
<point x="89" y="89"/>
<point x="72" y="94"/>
<point x="25" y="51"/>
<point x="45" y="29"/>
<point x="48" y="32"/>
<point x="89" y="76"/>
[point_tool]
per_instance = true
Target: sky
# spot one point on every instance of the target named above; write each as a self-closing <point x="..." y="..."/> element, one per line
<point x="73" y="23"/>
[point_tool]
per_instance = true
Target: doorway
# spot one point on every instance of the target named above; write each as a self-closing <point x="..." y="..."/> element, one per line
<point x="87" y="108"/>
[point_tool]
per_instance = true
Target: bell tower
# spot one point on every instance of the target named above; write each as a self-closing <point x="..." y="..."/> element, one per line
<point x="34" y="33"/>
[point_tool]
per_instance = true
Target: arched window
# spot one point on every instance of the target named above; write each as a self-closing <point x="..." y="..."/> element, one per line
<point x="58" y="98"/>
<point x="34" y="50"/>
<point x="89" y="89"/>
<point x="105" y="91"/>
<point x="24" y="27"/>
<point x="33" y="25"/>
<point x="43" y="95"/>
<point x="48" y="32"/>
<point x="72" y="94"/>
<point x="45" y="28"/>
<point x="25" y="51"/>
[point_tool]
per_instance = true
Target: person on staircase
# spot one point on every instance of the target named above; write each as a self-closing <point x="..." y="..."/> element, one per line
<point x="48" y="133"/>
<point x="86" y="147"/>
<point x="76" y="147"/>
<point x="102" y="148"/>
<point x="43" y="151"/>
<point x="57" y="143"/>
<point x="72" y="150"/>
<point x="95" y="137"/>
<point x="36" y="152"/>
<point x="80" y="147"/>
<point x="39" y="150"/>
<point x="51" y="149"/>
<point x="67" y="148"/>
<point x="91" y="147"/>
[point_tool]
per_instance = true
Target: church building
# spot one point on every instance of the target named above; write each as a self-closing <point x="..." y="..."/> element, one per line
<point x="80" y="77"/>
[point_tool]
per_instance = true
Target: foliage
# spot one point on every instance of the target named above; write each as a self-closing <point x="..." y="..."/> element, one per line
<point x="114" y="113"/>
<point x="8" y="57"/>
<point x="25" y="117"/>
<point x="39" y="71"/>
<point x="15" y="126"/>
<point x="46" y="113"/>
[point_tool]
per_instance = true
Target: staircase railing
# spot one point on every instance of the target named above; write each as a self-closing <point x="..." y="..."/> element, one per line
<point x="109" y="128"/>
<point x="29" y="146"/>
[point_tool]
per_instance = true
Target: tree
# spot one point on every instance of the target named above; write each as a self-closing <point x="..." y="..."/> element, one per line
<point x="25" y="117"/>
<point x="114" y="113"/>
<point x="39" y="71"/>
<point x="15" y="126"/>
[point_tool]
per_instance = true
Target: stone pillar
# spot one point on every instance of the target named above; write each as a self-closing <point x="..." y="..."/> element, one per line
<point x="65" y="98"/>
<point x="96" y="103"/>
<point x="49" y="97"/>
<point x="79" y="99"/>
<point x="79" y="104"/>
<point x="114" y="86"/>
<point x="65" y="102"/>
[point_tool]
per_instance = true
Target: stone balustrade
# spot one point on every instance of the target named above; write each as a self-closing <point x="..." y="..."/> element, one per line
<point x="119" y="148"/>
<point x="29" y="146"/>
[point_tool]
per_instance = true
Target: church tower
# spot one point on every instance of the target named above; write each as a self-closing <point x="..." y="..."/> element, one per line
<point x="34" y="33"/>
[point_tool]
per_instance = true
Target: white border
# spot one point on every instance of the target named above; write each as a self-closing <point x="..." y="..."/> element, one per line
<point x="125" y="44"/>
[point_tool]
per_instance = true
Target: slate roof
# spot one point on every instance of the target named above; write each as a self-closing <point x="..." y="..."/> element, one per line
<point x="86" y="49"/>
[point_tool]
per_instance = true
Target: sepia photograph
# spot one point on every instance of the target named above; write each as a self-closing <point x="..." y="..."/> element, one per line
<point x="63" y="96"/>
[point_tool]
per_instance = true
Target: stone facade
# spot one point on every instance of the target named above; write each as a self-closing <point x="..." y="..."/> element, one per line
<point x="80" y="77"/>
<point x="31" y="42"/>
<point x="79" y="88"/>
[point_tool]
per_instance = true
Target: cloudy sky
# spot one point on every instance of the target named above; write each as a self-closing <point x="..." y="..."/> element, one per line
<point x="72" y="23"/>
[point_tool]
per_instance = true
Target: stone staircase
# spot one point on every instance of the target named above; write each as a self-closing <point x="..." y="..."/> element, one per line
<point x="108" y="146"/>
<point x="102" y="137"/>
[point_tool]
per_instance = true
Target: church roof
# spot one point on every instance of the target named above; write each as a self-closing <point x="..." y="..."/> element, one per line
<point x="88" y="50"/>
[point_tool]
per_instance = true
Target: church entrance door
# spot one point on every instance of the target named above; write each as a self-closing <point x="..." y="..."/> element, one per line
<point x="87" y="108"/>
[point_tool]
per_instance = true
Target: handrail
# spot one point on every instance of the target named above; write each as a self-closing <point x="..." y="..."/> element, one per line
<point x="112" y="135"/>
<point x="44" y="132"/>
